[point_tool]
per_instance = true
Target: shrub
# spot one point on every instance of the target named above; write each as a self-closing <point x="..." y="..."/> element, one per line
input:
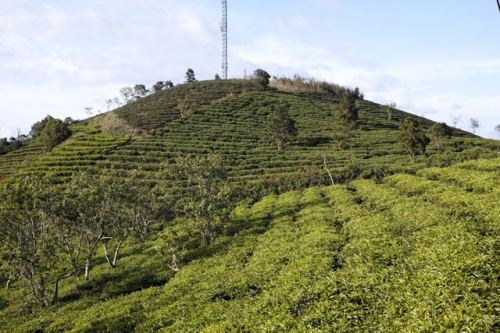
<point x="54" y="132"/>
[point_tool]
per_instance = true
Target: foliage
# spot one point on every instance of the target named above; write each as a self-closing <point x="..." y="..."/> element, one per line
<point x="140" y="91"/>
<point x="300" y="84"/>
<point x="369" y="257"/>
<point x="37" y="128"/>
<point x="497" y="129"/>
<point x="389" y="108"/>
<point x="345" y="116"/>
<point x="207" y="196"/>
<point x="54" y="133"/>
<point x="439" y="132"/>
<point x="127" y="94"/>
<point x="26" y="212"/>
<point x="280" y="127"/>
<point x="474" y="124"/>
<point x="190" y="76"/>
<point x="261" y="78"/>
<point x="411" y="138"/>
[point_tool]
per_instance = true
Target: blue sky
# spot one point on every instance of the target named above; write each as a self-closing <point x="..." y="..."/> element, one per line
<point x="440" y="61"/>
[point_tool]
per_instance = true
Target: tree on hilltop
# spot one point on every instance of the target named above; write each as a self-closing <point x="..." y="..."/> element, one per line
<point x="190" y="76"/>
<point x="37" y="128"/>
<point x="497" y="128"/>
<point x="54" y="133"/>
<point x="158" y="86"/>
<point x="127" y="93"/>
<point x="411" y="138"/>
<point x="261" y="78"/>
<point x="140" y="91"/>
<point x="474" y="124"/>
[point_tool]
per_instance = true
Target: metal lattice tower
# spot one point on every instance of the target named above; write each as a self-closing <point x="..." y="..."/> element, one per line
<point x="223" y="29"/>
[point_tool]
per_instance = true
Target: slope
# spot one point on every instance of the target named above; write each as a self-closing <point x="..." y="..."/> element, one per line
<point x="418" y="253"/>
<point x="230" y="118"/>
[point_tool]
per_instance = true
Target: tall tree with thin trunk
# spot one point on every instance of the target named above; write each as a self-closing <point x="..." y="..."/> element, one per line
<point x="474" y="124"/>
<point x="344" y="122"/>
<point x="439" y="132"/>
<point x="497" y="129"/>
<point x="281" y="128"/>
<point x="411" y="138"/>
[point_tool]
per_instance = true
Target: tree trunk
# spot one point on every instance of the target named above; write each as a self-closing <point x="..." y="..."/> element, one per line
<point x="56" y="286"/>
<point x="112" y="263"/>
<point x="328" y="170"/>
<point x="87" y="268"/>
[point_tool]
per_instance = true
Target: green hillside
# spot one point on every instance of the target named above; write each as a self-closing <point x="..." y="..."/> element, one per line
<point x="229" y="118"/>
<point x="177" y="213"/>
<point x="418" y="253"/>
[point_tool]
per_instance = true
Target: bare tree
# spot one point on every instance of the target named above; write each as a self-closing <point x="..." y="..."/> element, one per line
<point x="389" y="108"/>
<point x="474" y="124"/>
<point x="127" y="93"/>
<point x="88" y="111"/>
<point x="455" y="120"/>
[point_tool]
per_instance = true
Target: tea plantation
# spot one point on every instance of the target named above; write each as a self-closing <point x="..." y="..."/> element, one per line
<point x="393" y="246"/>
<point x="417" y="253"/>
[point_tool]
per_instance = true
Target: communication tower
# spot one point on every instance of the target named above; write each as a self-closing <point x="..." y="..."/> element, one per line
<point x="223" y="29"/>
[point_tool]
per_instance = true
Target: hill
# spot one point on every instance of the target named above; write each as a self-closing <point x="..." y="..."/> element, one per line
<point x="396" y="247"/>
<point x="417" y="253"/>
<point x="229" y="118"/>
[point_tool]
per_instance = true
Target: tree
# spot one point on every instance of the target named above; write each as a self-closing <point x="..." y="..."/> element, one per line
<point x="127" y="93"/>
<point x="439" y="132"/>
<point x="497" y="128"/>
<point x="455" y="120"/>
<point x="261" y="78"/>
<point x="474" y="124"/>
<point x="207" y="197"/>
<point x="158" y="86"/>
<point x="140" y="91"/>
<point x="389" y="108"/>
<point x="411" y="138"/>
<point x="109" y="104"/>
<point x="54" y="133"/>
<point x="190" y="77"/>
<point x="69" y="121"/>
<point x="37" y="128"/>
<point x="26" y="212"/>
<point x="281" y="128"/>
<point x="169" y="84"/>
<point x="88" y="111"/>
<point x="345" y="116"/>
<point x="106" y="209"/>
<point x="217" y="77"/>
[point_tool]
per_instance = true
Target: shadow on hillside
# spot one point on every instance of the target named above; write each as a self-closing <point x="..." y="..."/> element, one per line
<point x="313" y="141"/>
<point x="117" y="283"/>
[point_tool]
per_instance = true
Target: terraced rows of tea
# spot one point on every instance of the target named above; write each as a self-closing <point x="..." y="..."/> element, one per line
<point x="418" y="253"/>
<point x="82" y="150"/>
<point x="230" y="118"/>
<point x="19" y="159"/>
<point x="236" y="129"/>
<point x="157" y="110"/>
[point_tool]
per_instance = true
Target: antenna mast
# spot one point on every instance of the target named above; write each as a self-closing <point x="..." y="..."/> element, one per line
<point x="223" y="29"/>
